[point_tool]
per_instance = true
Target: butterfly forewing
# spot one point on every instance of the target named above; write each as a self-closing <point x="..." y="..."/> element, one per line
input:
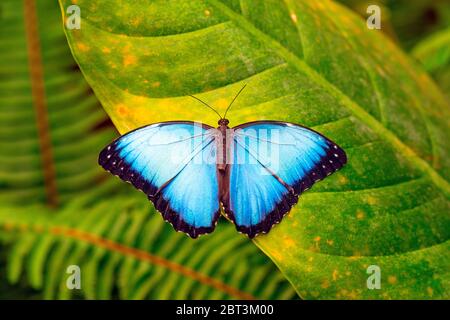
<point x="273" y="163"/>
<point x="174" y="163"/>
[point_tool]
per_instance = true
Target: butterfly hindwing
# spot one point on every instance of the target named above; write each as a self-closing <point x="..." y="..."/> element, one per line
<point x="174" y="164"/>
<point x="273" y="163"/>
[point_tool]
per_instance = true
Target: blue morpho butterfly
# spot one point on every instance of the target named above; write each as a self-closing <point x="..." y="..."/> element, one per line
<point x="254" y="172"/>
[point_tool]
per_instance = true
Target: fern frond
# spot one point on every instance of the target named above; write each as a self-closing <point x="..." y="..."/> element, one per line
<point x="122" y="245"/>
<point x="49" y="117"/>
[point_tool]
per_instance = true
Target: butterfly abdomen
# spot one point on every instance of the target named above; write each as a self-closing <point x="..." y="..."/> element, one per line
<point x="222" y="147"/>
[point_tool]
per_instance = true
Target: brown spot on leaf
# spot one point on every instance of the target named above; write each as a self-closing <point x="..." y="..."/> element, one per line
<point x="325" y="284"/>
<point x="82" y="47"/>
<point x="392" y="279"/>
<point x="122" y="109"/>
<point x="221" y="68"/>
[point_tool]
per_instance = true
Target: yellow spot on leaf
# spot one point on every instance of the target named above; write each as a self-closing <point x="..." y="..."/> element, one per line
<point x="129" y="59"/>
<point x="325" y="284"/>
<point x="8" y="226"/>
<point x="122" y="109"/>
<point x="289" y="242"/>
<point x="343" y="180"/>
<point x="276" y="255"/>
<point x="156" y="84"/>
<point x="430" y="291"/>
<point x="207" y="13"/>
<point x="221" y="68"/>
<point x="82" y="47"/>
<point x="371" y="200"/>
<point x="106" y="50"/>
<point x="135" y="22"/>
<point x="330" y="242"/>
<point x="317" y="239"/>
<point x="352" y="295"/>
<point x="294" y="17"/>
<point x="335" y="275"/>
<point x="360" y="215"/>
<point x="392" y="279"/>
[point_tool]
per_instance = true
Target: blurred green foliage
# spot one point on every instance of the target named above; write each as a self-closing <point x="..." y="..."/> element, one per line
<point x="407" y="21"/>
<point x="434" y="54"/>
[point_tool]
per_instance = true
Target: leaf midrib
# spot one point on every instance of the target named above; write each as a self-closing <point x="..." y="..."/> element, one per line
<point x="351" y="105"/>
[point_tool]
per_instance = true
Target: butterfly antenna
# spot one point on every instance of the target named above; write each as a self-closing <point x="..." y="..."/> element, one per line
<point x="206" y="105"/>
<point x="234" y="100"/>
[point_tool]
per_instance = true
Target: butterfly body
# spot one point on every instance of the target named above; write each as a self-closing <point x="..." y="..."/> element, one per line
<point x="254" y="173"/>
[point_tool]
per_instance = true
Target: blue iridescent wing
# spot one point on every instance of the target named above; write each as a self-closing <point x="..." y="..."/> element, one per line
<point x="174" y="164"/>
<point x="273" y="163"/>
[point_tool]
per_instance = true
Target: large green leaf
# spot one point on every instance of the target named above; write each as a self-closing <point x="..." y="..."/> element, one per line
<point x="313" y="63"/>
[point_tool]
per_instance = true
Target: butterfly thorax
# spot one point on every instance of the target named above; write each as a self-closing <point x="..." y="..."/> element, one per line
<point x="223" y="122"/>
